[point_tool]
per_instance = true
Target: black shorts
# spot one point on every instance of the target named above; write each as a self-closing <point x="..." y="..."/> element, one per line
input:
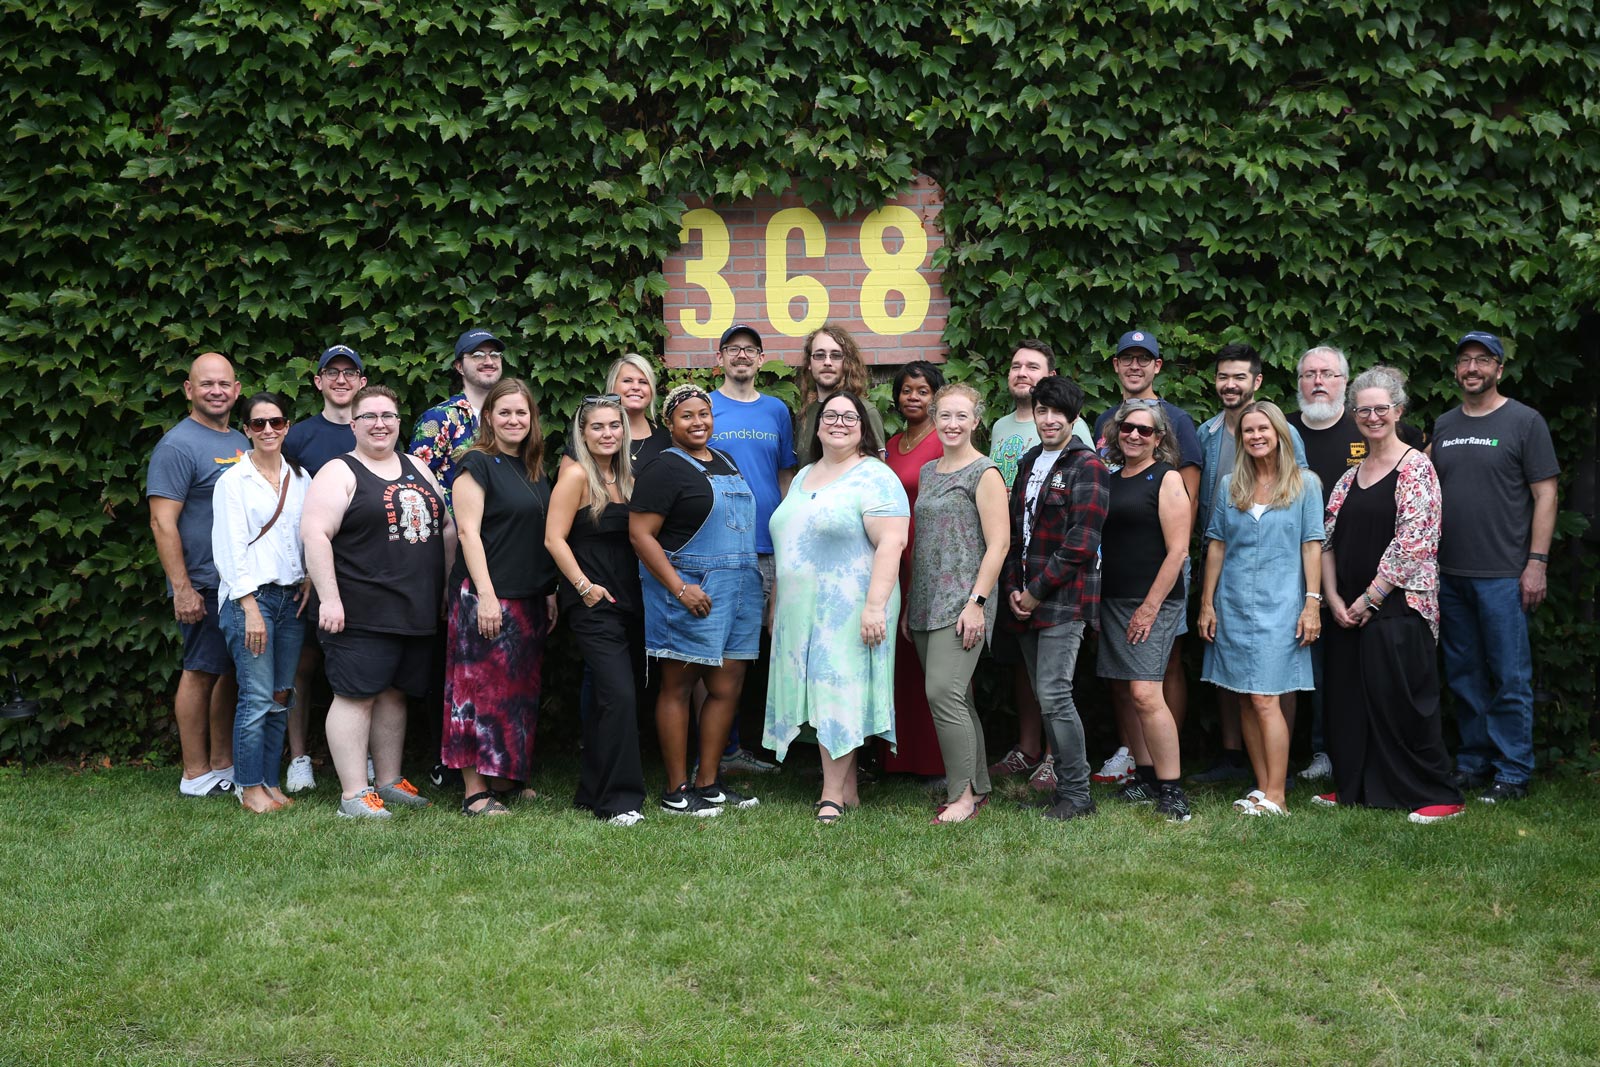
<point x="204" y="648"/>
<point x="363" y="663"/>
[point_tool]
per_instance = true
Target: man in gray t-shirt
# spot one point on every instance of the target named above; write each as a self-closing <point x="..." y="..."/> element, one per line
<point x="1497" y="477"/>
<point x="184" y="469"/>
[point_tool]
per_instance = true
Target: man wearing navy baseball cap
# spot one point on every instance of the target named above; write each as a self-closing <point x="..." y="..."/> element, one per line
<point x="1497" y="478"/>
<point x="447" y="429"/>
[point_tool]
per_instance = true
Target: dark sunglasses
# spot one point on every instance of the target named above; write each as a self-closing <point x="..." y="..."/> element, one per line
<point x="604" y="398"/>
<point x="1128" y="429"/>
<point x="277" y="422"/>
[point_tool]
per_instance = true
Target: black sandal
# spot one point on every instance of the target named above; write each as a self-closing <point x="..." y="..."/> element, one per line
<point x="494" y="807"/>
<point x="825" y="818"/>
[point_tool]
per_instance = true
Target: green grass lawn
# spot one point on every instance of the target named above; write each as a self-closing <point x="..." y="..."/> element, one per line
<point x="143" y="928"/>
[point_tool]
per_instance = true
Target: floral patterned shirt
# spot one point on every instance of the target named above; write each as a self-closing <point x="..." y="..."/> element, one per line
<point x="440" y="435"/>
<point x="1411" y="562"/>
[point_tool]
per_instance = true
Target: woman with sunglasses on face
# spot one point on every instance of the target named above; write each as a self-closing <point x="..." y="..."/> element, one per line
<point x="839" y="534"/>
<point x="587" y="535"/>
<point x="964" y="531"/>
<point x="500" y="606"/>
<point x="693" y="527"/>
<point x="916" y="749"/>
<point x="379" y="542"/>
<point x="255" y="539"/>
<point x="1260" y="606"/>
<point x="1146" y="539"/>
<point x="1381" y="571"/>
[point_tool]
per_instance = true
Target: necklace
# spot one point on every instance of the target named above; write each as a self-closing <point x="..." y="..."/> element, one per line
<point x="275" y="482"/>
<point x="908" y="443"/>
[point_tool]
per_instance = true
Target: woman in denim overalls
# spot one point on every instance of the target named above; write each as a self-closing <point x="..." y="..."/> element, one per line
<point x="702" y="603"/>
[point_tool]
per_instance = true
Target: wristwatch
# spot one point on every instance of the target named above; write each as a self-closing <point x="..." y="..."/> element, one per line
<point x="978" y="600"/>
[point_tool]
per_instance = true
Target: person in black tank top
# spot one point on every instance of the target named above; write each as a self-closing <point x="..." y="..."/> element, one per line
<point x="1144" y="544"/>
<point x="1380" y="571"/>
<point x="378" y="539"/>
<point x="586" y="534"/>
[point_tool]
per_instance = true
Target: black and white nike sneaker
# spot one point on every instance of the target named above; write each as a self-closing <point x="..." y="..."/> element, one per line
<point x="720" y="796"/>
<point x="686" y="800"/>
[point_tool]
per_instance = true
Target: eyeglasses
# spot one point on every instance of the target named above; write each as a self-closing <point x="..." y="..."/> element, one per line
<point x="378" y="416"/>
<point x="601" y="398"/>
<point x="1313" y="375"/>
<point x="1138" y="359"/>
<point x="1378" y="411"/>
<point x="277" y="422"/>
<point x="739" y="350"/>
<point x="1129" y="429"/>
<point x="348" y="374"/>
<point x="843" y="418"/>
<point x="1476" y="361"/>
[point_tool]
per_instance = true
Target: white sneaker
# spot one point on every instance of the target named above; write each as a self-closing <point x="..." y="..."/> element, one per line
<point x="1319" y="768"/>
<point x="299" y="778"/>
<point x="626" y="818"/>
<point x="1119" y="768"/>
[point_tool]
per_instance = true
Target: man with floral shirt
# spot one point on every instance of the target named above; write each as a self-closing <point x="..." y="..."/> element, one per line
<point x="448" y="429"/>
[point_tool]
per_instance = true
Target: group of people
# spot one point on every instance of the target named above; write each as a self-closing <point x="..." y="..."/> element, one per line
<point x="681" y="531"/>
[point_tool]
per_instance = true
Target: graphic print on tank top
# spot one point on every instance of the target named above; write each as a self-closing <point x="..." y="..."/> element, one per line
<point x="412" y="514"/>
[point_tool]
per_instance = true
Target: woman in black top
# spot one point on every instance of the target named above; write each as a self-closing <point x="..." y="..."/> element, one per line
<point x="500" y="603"/>
<point x="587" y="537"/>
<point x="1146" y="540"/>
<point x="378" y="540"/>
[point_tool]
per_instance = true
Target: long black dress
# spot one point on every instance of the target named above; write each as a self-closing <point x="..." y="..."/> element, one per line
<point x="610" y="637"/>
<point x="1382" y="700"/>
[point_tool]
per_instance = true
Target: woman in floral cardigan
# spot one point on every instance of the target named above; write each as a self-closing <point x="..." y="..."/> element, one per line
<point x="1381" y="575"/>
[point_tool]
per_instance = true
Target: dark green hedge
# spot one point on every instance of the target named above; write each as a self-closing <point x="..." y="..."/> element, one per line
<point x="266" y="178"/>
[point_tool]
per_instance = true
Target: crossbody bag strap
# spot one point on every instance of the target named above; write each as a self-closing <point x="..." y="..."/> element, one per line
<point x="283" y="494"/>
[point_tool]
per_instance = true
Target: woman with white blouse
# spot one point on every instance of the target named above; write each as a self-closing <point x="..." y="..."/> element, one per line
<point x="255" y="537"/>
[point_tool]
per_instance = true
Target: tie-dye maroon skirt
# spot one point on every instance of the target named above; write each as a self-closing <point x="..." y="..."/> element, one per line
<point x="491" y="688"/>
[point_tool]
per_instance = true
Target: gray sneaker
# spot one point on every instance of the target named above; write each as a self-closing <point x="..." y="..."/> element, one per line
<point x="743" y="761"/>
<point x="364" y="805"/>
<point x="402" y="794"/>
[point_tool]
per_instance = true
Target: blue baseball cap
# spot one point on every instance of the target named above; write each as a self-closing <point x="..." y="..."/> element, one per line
<point x="1139" y="339"/>
<point x="737" y="328"/>
<point x="1487" y="340"/>
<point x="473" y="338"/>
<point x="334" y="353"/>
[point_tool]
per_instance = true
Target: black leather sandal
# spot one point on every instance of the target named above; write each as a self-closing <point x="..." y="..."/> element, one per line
<point x="494" y="807"/>
<point x="824" y="817"/>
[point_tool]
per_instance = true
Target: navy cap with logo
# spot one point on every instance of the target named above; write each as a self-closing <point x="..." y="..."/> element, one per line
<point x="475" y="337"/>
<point x="737" y="328"/>
<point x="1139" y="339"/>
<point x="1487" y="340"/>
<point x="335" y="352"/>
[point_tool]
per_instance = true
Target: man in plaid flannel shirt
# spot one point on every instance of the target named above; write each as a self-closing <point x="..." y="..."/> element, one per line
<point x="1051" y="578"/>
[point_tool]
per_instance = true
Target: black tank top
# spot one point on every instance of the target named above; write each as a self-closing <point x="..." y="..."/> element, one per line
<point x="1132" y="547"/>
<point x="605" y="556"/>
<point x="1361" y="537"/>
<point x="388" y="555"/>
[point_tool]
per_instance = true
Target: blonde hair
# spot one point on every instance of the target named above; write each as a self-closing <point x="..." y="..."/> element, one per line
<point x="621" y="466"/>
<point x="640" y="364"/>
<point x="960" y="389"/>
<point x="1287" y="483"/>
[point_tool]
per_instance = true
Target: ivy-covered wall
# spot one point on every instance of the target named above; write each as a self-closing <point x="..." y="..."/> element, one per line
<point x="264" y="178"/>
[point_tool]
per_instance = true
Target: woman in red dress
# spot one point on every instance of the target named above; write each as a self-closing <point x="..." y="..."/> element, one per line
<point x="917" y="744"/>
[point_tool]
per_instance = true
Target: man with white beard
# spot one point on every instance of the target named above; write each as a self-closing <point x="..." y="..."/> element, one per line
<point x="1333" y="445"/>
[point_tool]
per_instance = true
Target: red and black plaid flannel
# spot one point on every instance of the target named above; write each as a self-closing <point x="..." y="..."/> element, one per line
<point x="1061" y="563"/>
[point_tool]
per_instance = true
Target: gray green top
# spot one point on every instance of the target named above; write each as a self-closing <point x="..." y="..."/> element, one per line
<point x="949" y="546"/>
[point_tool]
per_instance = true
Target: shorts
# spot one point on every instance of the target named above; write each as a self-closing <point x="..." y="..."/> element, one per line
<point x="731" y="631"/>
<point x="1145" y="661"/>
<point x="363" y="663"/>
<point x="205" y="649"/>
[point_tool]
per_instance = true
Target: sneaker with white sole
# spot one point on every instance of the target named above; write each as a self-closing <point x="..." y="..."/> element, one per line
<point x="1137" y="791"/>
<point x="299" y="778"/>
<point x="403" y="794"/>
<point x="209" y="784"/>
<point x="720" y="796"/>
<point x="626" y="818"/>
<point x="366" y="804"/>
<point x="1116" y="770"/>
<point x="685" y="800"/>
<point x="1320" y="768"/>
<point x="1173" y="805"/>
<point x="1436" y="813"/>
<point x="1012" y="764"/>
<point x="743" y="761"/>
<point x="1044" y="776"/>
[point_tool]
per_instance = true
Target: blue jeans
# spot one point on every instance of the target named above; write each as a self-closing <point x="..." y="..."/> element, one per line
<point x="260" y="721"/>
<point x="1489" y="666"/>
